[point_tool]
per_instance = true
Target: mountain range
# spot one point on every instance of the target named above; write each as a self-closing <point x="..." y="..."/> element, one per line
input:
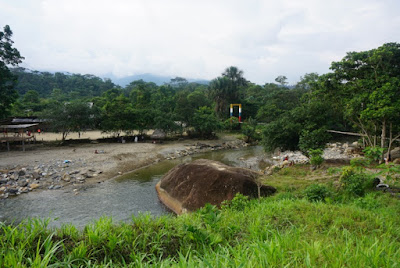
<point x="147" y="77"/>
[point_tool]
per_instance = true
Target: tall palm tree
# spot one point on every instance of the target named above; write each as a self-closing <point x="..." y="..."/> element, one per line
<point x="225" y="89"/>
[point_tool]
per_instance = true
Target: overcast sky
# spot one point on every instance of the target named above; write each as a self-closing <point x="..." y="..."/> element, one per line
<point x="197" y="38"/>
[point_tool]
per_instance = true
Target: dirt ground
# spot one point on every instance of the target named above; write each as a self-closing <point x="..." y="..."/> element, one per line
<point x="112" y="159"/>
<point x="92" y="135"/>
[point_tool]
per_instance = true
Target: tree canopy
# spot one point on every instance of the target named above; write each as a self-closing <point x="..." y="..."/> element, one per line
<point x="8" y="56"/>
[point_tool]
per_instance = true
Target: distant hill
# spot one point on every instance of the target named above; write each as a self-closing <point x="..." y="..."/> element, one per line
<point x="157" y="79"/>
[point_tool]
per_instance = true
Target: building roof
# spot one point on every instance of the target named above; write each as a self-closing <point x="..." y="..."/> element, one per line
<point x="18" y="126"/>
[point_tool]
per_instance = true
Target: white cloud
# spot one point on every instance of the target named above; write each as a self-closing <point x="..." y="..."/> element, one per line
<point x="197" y="38"/>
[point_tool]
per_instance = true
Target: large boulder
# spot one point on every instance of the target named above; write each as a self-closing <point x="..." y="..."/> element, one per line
<point x="395" y="153"/>
<point x="188" y="187"/>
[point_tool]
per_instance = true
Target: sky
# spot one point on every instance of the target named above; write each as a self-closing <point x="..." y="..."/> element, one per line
<point x="197" y="38"/>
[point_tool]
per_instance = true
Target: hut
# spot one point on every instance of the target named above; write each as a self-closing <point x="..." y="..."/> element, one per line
<point x="17" y="133"/>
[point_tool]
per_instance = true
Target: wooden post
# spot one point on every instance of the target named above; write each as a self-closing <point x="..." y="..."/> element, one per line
<point x="23" y="145"/>
<point x="8" y="146"/>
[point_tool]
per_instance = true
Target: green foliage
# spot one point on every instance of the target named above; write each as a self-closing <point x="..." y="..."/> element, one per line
<point x="391" y="172"/>
<point x="317" y="192"/>
<point x="205" y="122"/>
<point x="231" y="123"/>
<point x="250" y="131"/>
<point x="314" y="139"/>
<point x="8" y="56"/>
<point x="226" y="89"/>
<point x="74" y="86"/>
<point x="70" y="116"/>
<point x="360" y="162"/>
<point x="282" y="133"/>
<point x="316" y="158"/>
<point x="239" y="202"/>
<point x="366" y="88"/>
<point x="353" y="182"/>
<point x="272" y="233"/>
<point x="374" y="154"/>
<point x="370" y="201"/>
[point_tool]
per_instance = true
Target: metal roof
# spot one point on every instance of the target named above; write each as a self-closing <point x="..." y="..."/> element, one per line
<point x="18" y="126"/>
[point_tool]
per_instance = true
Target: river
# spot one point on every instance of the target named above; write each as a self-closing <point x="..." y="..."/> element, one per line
<point x="120" y="198"/>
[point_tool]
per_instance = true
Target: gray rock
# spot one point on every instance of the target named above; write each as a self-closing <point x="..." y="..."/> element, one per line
<point x="395" y="153"/>
<point x="12" y="191"/>
<point x="23" y="183"/>
<point x="35" y="175"/>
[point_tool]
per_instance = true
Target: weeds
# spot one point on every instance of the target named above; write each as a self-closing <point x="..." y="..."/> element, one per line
<point x="285" y="230"/>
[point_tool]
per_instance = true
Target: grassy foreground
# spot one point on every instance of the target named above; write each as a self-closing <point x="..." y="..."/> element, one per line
<point x="285" y="230"/>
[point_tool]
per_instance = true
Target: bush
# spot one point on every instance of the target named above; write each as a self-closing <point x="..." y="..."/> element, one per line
<point x="231" y="123"/>
<point x="239" y="202"/>
<point x="314" y="139"/>
<point x="316" y="158"/>
<point x="317" y="192"/>
<point x="249" y="130"/>
<point x="369" y="201"/>
<point x="360" y="162"/>
<point x="353" y="182"/>
<point x="373" y="153"/>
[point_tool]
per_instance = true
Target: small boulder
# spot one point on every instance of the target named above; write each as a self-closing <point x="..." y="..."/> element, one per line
<point x="66" y="177"/>
<point x="190" y="186"/>
<point x="22" y="172"/>
<point x="34" y="185"/>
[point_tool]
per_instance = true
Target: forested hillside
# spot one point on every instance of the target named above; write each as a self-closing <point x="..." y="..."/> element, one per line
<point x="360" y="94"/>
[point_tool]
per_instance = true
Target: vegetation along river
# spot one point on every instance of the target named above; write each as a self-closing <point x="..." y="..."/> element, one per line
<point x="119" y="198"/>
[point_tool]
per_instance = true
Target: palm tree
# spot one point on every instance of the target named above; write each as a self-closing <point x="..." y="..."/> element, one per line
<point x="225" y="89"/>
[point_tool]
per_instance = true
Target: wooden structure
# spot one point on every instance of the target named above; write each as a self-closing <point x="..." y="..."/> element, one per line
<point x="17" y="133"/>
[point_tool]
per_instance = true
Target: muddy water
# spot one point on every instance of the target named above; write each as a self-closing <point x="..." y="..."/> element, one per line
<point x="119" y="198"/>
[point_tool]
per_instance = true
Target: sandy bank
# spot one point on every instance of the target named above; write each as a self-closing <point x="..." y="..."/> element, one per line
<point x="47" y="166"/>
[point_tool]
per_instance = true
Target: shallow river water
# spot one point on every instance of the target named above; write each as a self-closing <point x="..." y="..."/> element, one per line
<point x="120" y="198"/>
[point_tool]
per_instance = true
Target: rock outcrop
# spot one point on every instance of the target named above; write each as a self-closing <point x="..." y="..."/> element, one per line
<point x="190" y="186"/>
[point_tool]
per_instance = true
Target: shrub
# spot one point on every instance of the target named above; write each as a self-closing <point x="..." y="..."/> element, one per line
<point x="249" y="130"/>
<point x="231" y="123"/>
<point x="369" y="201"/>
<point x="354" y="182"/>
<point x="360" y="162"/>
<point x="373" y="153"/>
<point x="316" y="158"/>
<point x="317" y="192"/>
<point x="239" y="202"/>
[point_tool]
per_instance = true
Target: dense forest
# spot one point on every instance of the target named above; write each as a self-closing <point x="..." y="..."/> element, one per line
<point x="361" y="93"/>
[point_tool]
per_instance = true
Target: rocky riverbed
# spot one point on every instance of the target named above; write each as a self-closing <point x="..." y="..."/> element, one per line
<point x="75" y="168"/>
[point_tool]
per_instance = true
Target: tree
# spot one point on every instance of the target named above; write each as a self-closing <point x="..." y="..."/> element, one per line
<point x="368" y="84"/>
<point x="281" y="80"/>
<point x="205" y="123"/>
<point x="70" y="116"/>
<point x="226" y="90"/>
<point x="8" y="56"/>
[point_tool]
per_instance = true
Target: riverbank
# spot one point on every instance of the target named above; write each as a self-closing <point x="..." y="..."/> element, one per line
<point x="78" y="166"/>
<point x="283" y="230"/>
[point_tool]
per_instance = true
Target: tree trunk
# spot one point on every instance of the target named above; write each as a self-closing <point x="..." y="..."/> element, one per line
<point x="391" y="139"/>
<point x="383" y="137"/>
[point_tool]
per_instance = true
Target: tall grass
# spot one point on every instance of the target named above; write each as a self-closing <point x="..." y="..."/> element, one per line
<point x="286" y="230"/>
<point x="275" y="232"/>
